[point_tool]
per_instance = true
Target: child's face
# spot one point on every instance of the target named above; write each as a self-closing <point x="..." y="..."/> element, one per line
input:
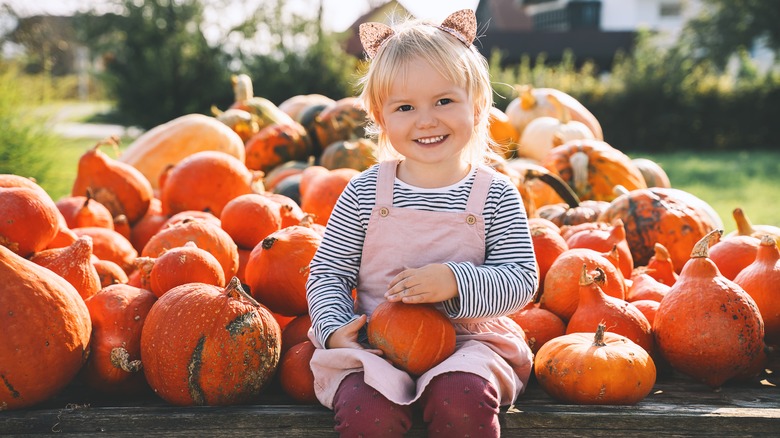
<point x="426" y="117"/>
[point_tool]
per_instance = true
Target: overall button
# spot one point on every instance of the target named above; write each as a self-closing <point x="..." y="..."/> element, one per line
<point x="384" y="211"/>
<point x="471" y="219"/>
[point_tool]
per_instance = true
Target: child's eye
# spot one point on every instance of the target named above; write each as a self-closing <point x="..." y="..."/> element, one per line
<point x="444" y="101"/>
<point x="404" y="108"/>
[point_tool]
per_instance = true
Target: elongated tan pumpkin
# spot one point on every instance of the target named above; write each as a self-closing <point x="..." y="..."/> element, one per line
<point x="171" y="142"/>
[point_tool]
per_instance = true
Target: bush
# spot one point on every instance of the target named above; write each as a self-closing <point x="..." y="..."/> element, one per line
<point x="25" y="143"/>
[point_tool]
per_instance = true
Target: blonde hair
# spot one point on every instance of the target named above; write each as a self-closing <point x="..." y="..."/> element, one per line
<point x="461" y="65"/>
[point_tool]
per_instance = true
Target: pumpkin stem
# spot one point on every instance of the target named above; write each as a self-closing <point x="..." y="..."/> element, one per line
<point x="601" y="277"/>
<point x="701" y="249"/>
<point x="556" y="183"/>
<point x="242" y="87"/>
<point x="527" y="98"/>
<point x="598" y="339"/>
<point x="767" y="240"/>
<point x="585" y="278"/>
<point x="563" y="113"/>
<point x="744" y="226"/>
<point x="579" y="169"/>
<point x="661" y="253"/>
<point x="234" y="290"/>
<point x="120" y="358"/>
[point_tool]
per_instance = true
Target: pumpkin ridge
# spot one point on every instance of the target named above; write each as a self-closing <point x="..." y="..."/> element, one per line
<point x="193" y="373"/>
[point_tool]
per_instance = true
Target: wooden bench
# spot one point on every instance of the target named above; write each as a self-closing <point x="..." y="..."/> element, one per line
<point x="678" y="406"/>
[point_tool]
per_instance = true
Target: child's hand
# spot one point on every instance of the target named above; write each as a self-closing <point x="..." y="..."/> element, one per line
<point x="430" y="284"/>
<point x="346" y="337"/>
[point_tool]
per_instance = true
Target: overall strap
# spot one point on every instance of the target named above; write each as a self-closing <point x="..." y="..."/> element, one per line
<point x="479" y="190"/>
<point x="385" y="182"/>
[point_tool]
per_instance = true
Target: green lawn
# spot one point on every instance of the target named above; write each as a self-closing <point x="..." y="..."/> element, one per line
<point x="749" y="180"/>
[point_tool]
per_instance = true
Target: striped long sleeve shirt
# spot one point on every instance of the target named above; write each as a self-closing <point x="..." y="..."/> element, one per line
<point x="502" y="285"/>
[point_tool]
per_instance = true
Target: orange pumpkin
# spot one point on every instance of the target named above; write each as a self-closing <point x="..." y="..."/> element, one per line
<point x="205" y="235"/>
<point x="84" y="211"/>
<point x="593" y="168"/>
<point x="206" y="345"/>
<point x="600" y="369"/>
<point x="296" y="331"/>
<point x="262" y="212"/>
<point x="760" y="280"/>
<point x="206" y="181"/>
<point x="30" y="220"/>
<point x="707" y="326"/>
<point x="595" y="307"/>
<point x="109" y="245"/>
<point x="604" y="239"/>
<point x="539" y="325"/>
<point x="320" y="188"/>
<point x="414" y="337"/>
<point x="746" y="228"/>
<point x="660" y="266"/>
<point x="109" y="273"/>
<point x="343" y="120"/>
<point x="148" y="225"/>
<point x="561" y="286"/>
<point x="73" y="263"/>
<point x="184" y="264"/>
<point x="548" y="246"/>
<point x="733" y="253"/>
<point x="118" y="313"/>
<point x="278" y="268"/>
<point x="658" y="215"/>
<point x="46" y="329"/>
<point x="295" y="375"/>
<point x="645" y="287"/>
<point x="502" y="132"/>
<point x="120" y="187"/>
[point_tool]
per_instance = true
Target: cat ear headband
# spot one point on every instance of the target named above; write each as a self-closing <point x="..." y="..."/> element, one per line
<point x="460" y="24"/>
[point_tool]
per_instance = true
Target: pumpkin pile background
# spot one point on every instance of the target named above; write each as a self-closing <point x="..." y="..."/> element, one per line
<point x="226" y="211"/>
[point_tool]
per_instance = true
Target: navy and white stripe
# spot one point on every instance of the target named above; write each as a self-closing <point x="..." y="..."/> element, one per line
<point x="504" y="284"/>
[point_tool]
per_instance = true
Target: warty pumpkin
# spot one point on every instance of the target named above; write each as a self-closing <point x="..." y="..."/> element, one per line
<point x="46" y="329"/>
<point x="414" y="337"/>
<point x="359" y="154"/>
<point x="206" y="345"/>
<point x="600" y="368"/>
<point x="707" y="326"/>
<point x="276" y="144"/>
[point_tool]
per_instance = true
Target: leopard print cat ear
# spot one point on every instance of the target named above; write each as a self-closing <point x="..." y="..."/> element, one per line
<point x="372" y="35"/>
<point x="462" y="25"/>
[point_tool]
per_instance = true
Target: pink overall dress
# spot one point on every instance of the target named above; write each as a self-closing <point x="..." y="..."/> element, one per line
<point x="399" y="238"/>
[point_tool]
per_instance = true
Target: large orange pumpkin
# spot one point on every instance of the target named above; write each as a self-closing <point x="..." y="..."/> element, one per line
<point x="45" y="329"/>
<point x="658" y="215"/>
<point x="206" y="181"/>
<point x="414" y="337"/>
<point x="118" y="313"/>
<point x="184" y="264"/>
<point x="320" y="188"/>
<point x="599" y="369"/>
<point x="278" y="268"/>
<point x="707" y="326"/>
<point x="30" y="220"/>
<point x="251" y="218"/>
<point x="206" y="345"/>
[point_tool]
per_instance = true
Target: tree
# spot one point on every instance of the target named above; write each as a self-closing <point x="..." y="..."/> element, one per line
<point x="727" y="26"/>
<point x="158" y="64"/>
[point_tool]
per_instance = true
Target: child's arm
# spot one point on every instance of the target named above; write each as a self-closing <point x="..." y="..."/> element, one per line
<point x="333" y="272"/>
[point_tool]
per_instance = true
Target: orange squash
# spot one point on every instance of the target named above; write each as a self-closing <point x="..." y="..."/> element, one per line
<point x="110" y="245"/>
<point x="184" y="264"/>
<point x="278" y="268"/>
<point x="732" y="254"/>
<point x="539" y="325"/>
<point x="206" y="181"/>
<point x="118" y="313"/>
<point x="760" y="280"/>
<point x="320" y="188"/>
<point x="600" y="369"/>
<point x="120" y="187"/>
<point x="414" y="337"/>
<point x="30" y="220"/>
<point x="250" y="218"/>
<point x="206" y="345"/>
<point x="295" y="375"/>
<point x="595" y="307"/>
<point x="45" y="327"/>
<point x="84" y="211"/>
<point x="645" y="287"/>
<point x="296" y="331"/>
<point x="603" y="240"/>
<point x="707" y="326"/>
<point x="74" y="264"/>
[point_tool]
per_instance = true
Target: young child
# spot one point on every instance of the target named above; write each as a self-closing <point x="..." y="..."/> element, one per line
<point x="429" y="224"/>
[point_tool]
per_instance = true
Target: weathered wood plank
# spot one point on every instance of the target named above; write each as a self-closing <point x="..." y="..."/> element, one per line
<point x="677" y="407"/>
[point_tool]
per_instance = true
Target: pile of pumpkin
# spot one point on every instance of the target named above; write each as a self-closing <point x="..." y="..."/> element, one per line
<point x="180" y="265"/>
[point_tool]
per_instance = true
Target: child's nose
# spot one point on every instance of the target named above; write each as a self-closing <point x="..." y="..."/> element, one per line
<point x="426" y="119"/>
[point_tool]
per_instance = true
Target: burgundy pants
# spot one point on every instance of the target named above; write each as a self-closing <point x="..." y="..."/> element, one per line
<point x="453" y="405"/>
